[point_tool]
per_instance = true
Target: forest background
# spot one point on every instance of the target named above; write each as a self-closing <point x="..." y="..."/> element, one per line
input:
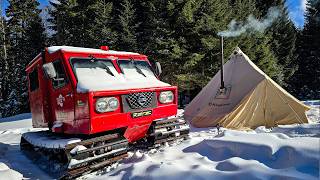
<point x="183" y="35"/>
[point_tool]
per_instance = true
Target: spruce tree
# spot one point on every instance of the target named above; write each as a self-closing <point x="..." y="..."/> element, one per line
<point x="307" y="78"/>
<point x="127" y="25"/>
<point x="283" y="38"/>
<point x="198" y="42"/>
<point x="61" y="22"/>
<point x="26" y="38"/>
<point x="200" y="23"/>
<point x="257" y="45"/>
<point x="3" y="56"/>
<point x="3" y="65"/>
<point x="148" y="16"/>
<point x="83" y="23"/>
<point x="101" y="31"/>
<point x="4" y="90"/>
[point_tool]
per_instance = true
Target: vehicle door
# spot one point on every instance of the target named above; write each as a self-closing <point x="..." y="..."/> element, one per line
<point x="62" y="98"/>
<point x="36" y="98"/>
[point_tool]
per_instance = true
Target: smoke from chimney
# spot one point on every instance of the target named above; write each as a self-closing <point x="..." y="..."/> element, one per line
<point x="252" y="24"/>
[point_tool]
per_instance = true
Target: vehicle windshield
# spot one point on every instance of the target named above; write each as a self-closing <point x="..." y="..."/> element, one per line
<point x="89" y="70"/>
<point x="136" y="69"/>
<point x="101" y="74"/>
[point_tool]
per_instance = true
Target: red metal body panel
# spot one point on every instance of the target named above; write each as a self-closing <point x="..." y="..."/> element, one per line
<point x="76" y="111"/>
<point x="36" y="98"/>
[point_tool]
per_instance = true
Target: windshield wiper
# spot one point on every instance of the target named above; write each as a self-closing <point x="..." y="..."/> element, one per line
<point x="137" y="68"/>
<point x="107" y="68"/>
<point x="102" y="64"/>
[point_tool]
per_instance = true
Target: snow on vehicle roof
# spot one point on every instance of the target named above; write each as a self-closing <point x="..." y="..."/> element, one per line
<point x="54" y="49"/>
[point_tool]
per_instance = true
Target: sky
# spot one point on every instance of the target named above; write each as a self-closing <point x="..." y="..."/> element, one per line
<point x="296" y="9"/>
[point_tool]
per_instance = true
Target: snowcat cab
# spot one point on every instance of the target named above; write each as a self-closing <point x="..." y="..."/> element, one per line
<point x="97" y="103"/>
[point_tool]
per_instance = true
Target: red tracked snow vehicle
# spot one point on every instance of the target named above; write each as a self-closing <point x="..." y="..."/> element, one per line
<point x="97" y="104"/>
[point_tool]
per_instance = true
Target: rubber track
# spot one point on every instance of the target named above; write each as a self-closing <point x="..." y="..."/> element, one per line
<point x="62" y="157"/>
<point x="110" y="142"/>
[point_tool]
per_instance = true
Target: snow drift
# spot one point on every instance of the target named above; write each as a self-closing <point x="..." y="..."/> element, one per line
<point x="284" y="152"/>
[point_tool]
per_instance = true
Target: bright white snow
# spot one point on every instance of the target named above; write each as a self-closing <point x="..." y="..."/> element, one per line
<point x="9" y="174"/>
<point x="229" y="155"/>
<point x="10" y="154"/>
<point x="284" y="152"/>
<point x="77" y="149"/>
<point x="42" y="139"/>
<point x="11" y="122"/>
<point x="96" y="79"/>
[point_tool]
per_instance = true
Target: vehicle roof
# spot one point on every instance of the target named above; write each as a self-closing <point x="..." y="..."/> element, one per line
<point x="72" y="49"/>
<point x="54" y="49"/>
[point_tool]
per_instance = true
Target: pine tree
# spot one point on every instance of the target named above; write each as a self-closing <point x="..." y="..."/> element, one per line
<point x="26" y="37"/>
<point x="257" y="45"/>
<point x="83" y="23"/>
<point x="199" y="24"/>
<point x="61" y="22"/>
<point x="307" y="78"/>
<point x="101" y="31"/>
<point x="3" y="64"/>
<point x="3" y="55"/>
<point x="127" y="25"/>
<point x="283" y="38"/>
<point x="177" y="33"/>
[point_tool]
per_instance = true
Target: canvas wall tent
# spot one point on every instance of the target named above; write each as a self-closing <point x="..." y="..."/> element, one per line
<point x="250" y="99"/>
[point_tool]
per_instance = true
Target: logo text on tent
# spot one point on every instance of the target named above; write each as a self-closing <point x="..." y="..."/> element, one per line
<point x="218" y="105"/>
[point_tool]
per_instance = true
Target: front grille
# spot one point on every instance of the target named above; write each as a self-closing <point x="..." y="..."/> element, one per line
<point x="140" y="100"/>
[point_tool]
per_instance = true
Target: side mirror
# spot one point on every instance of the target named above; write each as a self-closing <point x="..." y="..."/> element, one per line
<point x="158" y="68"/>
<point x="50" y="70"/>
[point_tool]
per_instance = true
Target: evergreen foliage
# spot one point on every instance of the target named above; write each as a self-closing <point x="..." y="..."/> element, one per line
<point x="25" y="34"/>
<point x="126" y="26"/>
<point x="307" y="78"/>
<point x="283" y="39"/>
<point x="100" y="31"/>
<point x="181" y="34"/>
<point x="61" y="22"/>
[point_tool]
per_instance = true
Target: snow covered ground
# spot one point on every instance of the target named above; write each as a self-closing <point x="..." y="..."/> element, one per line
<point x="284" y="152"/>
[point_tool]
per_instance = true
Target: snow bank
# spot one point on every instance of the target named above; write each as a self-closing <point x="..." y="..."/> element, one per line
<point x="18" y="117"/>
<point x="11" y="155"/>
<point x="274" y="150"/>
<point x="298" y="130"/>
<point x="284" y="152"/>
<point x="11" y="122"/>
<point x="8" y="174"/>
<point x="229" y="155"/>
<point x="314" y="113"/>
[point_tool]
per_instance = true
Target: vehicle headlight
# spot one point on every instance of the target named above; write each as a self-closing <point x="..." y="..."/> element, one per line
<point x="166" y="97"/>
<point x="107" y="104"/>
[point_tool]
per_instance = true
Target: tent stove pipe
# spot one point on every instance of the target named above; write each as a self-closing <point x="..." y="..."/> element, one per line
<point x="222" y="62"/>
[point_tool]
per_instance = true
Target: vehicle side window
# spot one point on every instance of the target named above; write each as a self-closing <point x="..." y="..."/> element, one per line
<point x="33" y="79"/>
<point x="61" y="79"/>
